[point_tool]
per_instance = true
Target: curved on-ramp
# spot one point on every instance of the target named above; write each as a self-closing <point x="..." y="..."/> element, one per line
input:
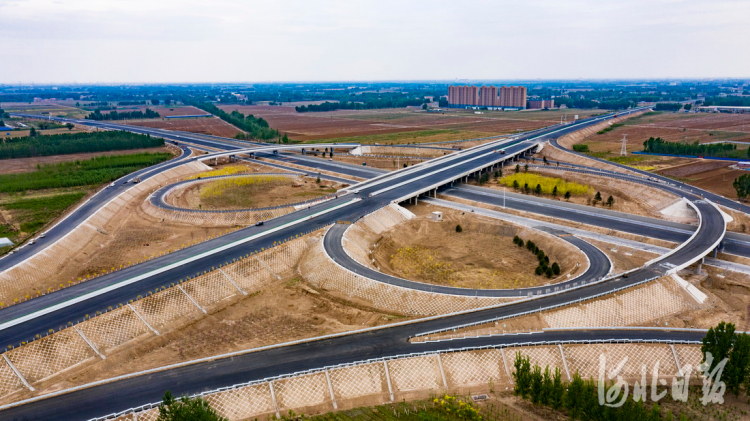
<point x="599" y="266"/>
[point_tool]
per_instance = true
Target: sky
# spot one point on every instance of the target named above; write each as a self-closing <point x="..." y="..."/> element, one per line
<point x="182" y="41"/>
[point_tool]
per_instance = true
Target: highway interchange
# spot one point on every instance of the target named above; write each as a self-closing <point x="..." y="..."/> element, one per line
<point x="20" y="322"/>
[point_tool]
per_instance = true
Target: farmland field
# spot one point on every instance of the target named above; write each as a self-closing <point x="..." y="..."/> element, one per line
<point x="208" y="125"/>
<point x="31" y="200"/>
<point x="50" y="107"/>
<point x="673" y="127"/>
<point x="103" y="169"/>
<point x="715" y="176"/>
<point x="20" y="165"/>
<point x="399" y="125"/>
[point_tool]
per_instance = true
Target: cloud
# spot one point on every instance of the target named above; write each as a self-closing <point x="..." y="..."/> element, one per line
<point x="50" y="41"/>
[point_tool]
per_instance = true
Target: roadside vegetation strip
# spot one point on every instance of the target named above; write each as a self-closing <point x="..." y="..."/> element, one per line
<point x="257" y="128"/>
<point x="547" y="184"/>
<point x="97" y="170"/>
<point x="70" y="143"/>
<point x="122" y="115"/>
<point x="231" y="170"/>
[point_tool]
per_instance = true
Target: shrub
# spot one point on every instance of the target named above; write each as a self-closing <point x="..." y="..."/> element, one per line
<point x="555" y="268"/>
<point x="548" y="272"/>
<point x="742" y="185"/>
<point x="459" y="229"/>
<point x="186" y="408"/>
<point x="538" y="270"/>
<point x="581" y="148"/>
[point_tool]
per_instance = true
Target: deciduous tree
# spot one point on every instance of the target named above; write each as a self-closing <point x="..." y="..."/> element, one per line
<point x="186" y="409"/>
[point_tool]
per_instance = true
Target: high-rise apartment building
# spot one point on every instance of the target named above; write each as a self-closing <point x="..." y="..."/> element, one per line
<point x="487" y="96"/>
<point x="541" y="103"/>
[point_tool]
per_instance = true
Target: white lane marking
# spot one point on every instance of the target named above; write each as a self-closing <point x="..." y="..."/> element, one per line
<point x="163" y="269"/>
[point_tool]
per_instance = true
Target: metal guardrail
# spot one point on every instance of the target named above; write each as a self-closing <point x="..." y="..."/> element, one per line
<point x="402" y="356"/>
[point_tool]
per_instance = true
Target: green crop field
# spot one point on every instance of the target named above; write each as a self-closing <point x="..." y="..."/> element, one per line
<point x="97" y="170"/>
<point x="34" y="213"/>
<point x="68" y="143"/>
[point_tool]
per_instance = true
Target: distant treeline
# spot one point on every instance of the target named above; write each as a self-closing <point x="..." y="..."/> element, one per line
<point x="256" y="127"/>
<point x="367" y="105"/>
<point x="600" y="104"/>
<point x="131" y="103"/>
<point x="124" y="115"/>
<point x="668" y="106"/>
<point x="719" y="150"/>
<point x="102" y="169"/>
<point x="729" y="101"/>
<point x="68" y="143"/>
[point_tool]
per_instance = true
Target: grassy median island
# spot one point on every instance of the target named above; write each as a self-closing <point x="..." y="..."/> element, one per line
<point x="481" y="254"/>
<point x="247" y="191"/>
<point x="69" y="143"/>
<point x="29" y="201"/>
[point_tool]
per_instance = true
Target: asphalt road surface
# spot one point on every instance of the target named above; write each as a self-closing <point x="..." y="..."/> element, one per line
<point x="120" y="395"/>
<point x="598" y="268"/>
